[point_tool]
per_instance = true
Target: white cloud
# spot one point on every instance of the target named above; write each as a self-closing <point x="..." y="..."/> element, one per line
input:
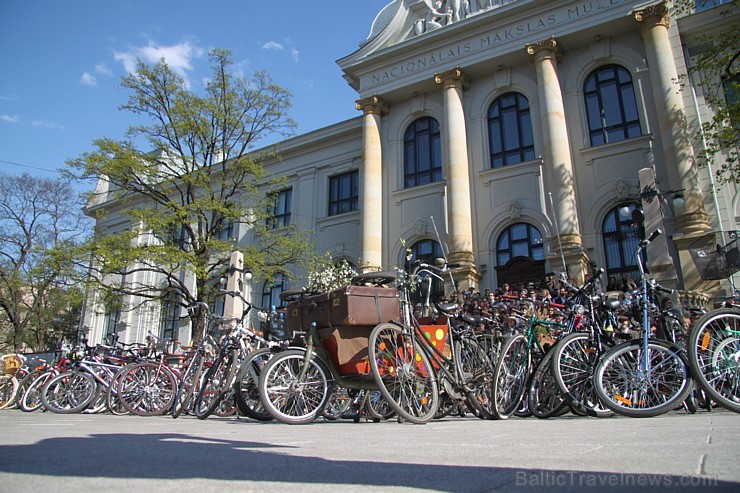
<point x="88" y="80"/>
<point x="45" y="124"/>
<point x="272" y="45"/>
<point x="10" y="118"/>
<point x="102" y="69"/>
<point x="178" y="56"/>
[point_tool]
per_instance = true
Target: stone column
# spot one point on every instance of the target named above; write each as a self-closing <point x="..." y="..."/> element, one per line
<point x="558" y="162"/>
<point x="233" y="306"/>
<point x="460" y="229"/>
<point x="371" y="183"/>
<point x="674" y="134"/>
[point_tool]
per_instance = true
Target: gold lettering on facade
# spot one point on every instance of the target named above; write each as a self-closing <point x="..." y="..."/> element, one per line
<point x="496" y="37"/>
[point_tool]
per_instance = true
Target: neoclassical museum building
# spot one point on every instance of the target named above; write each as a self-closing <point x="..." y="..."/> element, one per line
<point x="520" y="133"/>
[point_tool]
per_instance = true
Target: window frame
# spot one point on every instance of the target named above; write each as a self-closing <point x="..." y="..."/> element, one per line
<point x="498" y="131"/>
<point x="280" y="218"/>
<point x="422" y="171"/>
<point x="603" y="132"/>
<point x="340" y="203"/>
<point x="530" y="240"/>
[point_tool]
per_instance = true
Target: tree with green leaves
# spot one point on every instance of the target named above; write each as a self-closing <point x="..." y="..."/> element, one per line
<point x="182" y="179"/>
<point x="41" y="225"/>
<point x="715" y="68"/>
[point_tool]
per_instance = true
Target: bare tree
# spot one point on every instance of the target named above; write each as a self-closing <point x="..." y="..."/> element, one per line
<point x="40" y="224"/>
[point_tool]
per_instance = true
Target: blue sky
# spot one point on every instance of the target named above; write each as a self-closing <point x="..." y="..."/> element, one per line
<point x="61" y="62"/>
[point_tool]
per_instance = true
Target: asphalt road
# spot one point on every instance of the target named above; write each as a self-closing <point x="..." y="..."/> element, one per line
<point x="42" y="452"/>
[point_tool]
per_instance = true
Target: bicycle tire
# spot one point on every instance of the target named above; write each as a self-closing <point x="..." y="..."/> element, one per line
<point x="544" y="397"/>
<point x="8" y="389"/>
<point x="621" y="387"/>
<point x="284" y="397"/>
<point x="339" y="404"/>
<point x="24" y="383"/>
<point x="68" y="393"/>
<point x="478" y="373"/>
<point x="573" y="365"/>
<point x="375" y="278"/>
<point x="246" y="385"/>
<point x="187" y="384"/>
<point x="31" y="400"/>
<point x="377" y="407"/>
<point x="713" y="341"/>
<point x="147" y="389"/>
<point x="115" y="405"/>
<point x="216" y="383"/>
<point x="511" y="377"/>
<point x="404" y="373"/>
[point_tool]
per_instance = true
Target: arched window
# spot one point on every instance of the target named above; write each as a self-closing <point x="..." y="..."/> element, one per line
<point x="422" y="153"/>
<point x="519" y="240"/>
<point x="610" y="105"/>
<point x="427" y="251"/>
<point x="510" y="130"/>
<point x="621" y="235"/>
<point x="271" y="291"/>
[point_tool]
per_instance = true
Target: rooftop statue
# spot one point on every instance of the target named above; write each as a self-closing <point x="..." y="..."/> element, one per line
<point x="444" y="12"/>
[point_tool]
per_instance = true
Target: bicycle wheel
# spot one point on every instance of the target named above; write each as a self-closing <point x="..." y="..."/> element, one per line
<point x="544" y="398"/>
<point x="573" y="364"/>
<point x="31" y="399"/>
<point x="69" y="392"/>
<point x="510" y="378"/>
<point x="291" y="392"/>
<point x="147" y="389"/>
<point x="713" y="347"/>
<point x="339" y="403"/>
<point x="227" y="406"/>
<point x="186" y="386"/>
<point x="115" y="405"/>
<point x="403" y="372"/>
<point x="625" y="388"/>
<point x="25" y="382"/>
<point x="8" y="389"/>
<point x="215" y="384"/>
<point x="247" y="385"/>
<point x="377" y="407"/>
<point x="477" y="371"/>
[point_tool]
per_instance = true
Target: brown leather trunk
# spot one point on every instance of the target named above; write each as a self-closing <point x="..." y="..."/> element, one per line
<point x="348" y="306"/>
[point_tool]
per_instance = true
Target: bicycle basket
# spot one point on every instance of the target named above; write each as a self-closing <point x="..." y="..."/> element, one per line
<point x="12" y="364"/>
<point x="716" y="255"/>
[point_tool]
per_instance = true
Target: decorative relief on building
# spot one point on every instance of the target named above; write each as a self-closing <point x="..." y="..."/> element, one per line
<point x="372" y="105"/>
<point x="515" y="209"/>
<point x="549" y="44"/>
<point x="452" y="78"/>
<point x="653" y="14"/>
<point x="500" y="34"/>
<point x="441" y="13"/>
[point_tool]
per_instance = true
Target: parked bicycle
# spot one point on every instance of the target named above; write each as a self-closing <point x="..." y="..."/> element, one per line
<point x="646" y="376"/>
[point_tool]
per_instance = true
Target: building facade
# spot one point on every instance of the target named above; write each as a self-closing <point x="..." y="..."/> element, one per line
<point x="515" y="137"/>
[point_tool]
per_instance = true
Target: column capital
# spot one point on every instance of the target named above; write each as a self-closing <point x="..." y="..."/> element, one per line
<point x="653" y="15"/>
<point x="373" y="105"/>
<point x="544" y="47"/>
<point x="454" y="78"/>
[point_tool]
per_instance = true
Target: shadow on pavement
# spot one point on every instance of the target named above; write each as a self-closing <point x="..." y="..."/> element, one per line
<point x="180" y="456"/>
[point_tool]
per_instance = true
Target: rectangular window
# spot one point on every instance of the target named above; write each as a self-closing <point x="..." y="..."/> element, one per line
<point x="225" y="230"/>
<point x="282" y="205"/>
<point x="344" y="193"/>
